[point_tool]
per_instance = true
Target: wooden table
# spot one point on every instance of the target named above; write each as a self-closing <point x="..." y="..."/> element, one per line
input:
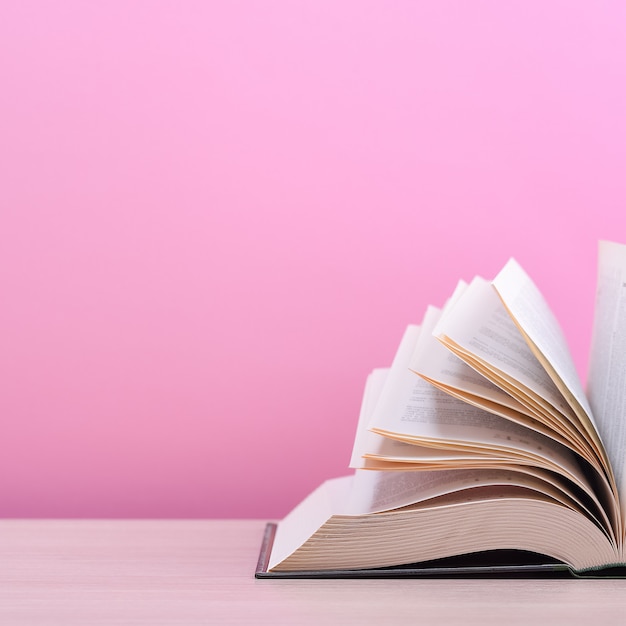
<point x="202" y="572"/>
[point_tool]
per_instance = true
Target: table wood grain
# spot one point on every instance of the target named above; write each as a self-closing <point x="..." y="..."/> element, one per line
<point x="156" y="572"/>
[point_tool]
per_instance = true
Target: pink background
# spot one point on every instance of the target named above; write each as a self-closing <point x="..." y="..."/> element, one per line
<point x="216" y="218"/>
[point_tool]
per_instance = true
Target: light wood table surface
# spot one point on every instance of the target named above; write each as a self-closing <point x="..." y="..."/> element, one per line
<point x="202" y="572"/>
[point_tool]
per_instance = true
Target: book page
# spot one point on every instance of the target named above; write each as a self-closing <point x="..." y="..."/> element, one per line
<point x="372" y="450"/>
<point x="438" y="365"/>
<point x="480" y="330"/>
<point x="533" y="316"/>
<point x="435" y="362"/>
<point x="364" y="439"/>
<point x="375" y="491"/>
<point x="607" y="365"/>
<point x="409" y="405"/>
<point x="308" y="516"/>
<point x="413" y="410"/>
<point x="481" y="325"/>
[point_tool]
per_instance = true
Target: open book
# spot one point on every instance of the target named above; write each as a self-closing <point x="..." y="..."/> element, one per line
<point x="478" y="447"/>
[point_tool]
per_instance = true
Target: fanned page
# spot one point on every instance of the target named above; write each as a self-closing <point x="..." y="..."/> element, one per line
<point x="365" y="440"/>
<point x="479" y="330"/>
<point x="607" y="364"/>
<point x="534" y="318"/>
<point x="377" y="491"/>
<point x="438" y="365"/>
<point x="414" y="411"/>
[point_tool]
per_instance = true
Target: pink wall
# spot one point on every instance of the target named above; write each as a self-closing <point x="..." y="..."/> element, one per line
<point x="216" y="218"/>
